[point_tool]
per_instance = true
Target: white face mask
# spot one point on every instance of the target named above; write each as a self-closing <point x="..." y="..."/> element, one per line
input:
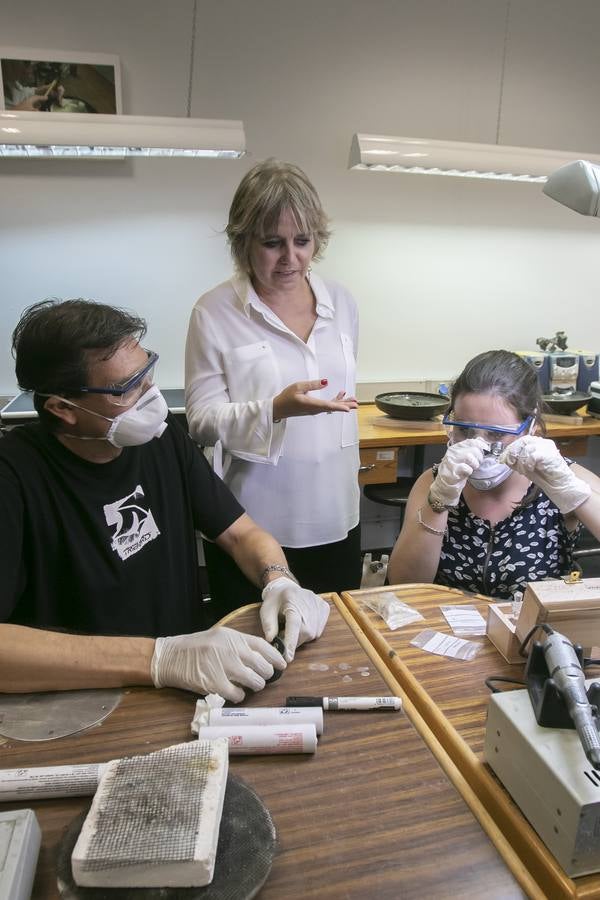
<point x="489" y="475"/>
<point x="137" y="425"/>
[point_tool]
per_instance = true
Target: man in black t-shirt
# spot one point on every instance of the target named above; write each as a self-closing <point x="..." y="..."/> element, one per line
<point x="99" y="504"/>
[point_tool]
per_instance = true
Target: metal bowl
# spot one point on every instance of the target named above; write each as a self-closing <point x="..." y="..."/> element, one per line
<point x="564" y="404"/>
<point x="411" y="404"/>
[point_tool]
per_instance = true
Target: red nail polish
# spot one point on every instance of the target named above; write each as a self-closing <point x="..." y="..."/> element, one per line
<point x="324" y="381"/>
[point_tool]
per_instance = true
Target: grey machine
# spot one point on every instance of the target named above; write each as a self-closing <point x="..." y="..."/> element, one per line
<point x="552" y="774"/>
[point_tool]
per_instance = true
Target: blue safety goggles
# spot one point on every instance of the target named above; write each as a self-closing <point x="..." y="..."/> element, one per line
<point x="463" y="430"/>
<point x="122" y="394"/>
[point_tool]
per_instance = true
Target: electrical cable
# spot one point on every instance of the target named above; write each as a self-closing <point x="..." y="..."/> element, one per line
<point x="489" y="682"/>
<point x="530" y="633"/>
<point x="492" y="679"/>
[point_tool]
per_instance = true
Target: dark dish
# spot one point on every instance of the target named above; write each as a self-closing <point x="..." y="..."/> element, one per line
<point x="411" y="404"/>
<point x="564" y="404"/>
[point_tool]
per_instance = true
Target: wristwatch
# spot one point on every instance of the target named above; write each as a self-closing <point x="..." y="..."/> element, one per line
<point x="436" y="505"/>
<point x="275" y="567"/>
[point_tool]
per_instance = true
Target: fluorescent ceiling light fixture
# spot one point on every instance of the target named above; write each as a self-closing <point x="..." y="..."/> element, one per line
<point x="576" y="185"/>
<point x="41" y="135"/>
<point x="380" y="153"/>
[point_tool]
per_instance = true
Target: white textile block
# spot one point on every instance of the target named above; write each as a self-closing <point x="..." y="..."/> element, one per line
<point x="154" y="821"/>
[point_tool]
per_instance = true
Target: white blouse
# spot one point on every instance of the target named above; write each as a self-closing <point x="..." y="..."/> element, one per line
<point x="297" y="478"/>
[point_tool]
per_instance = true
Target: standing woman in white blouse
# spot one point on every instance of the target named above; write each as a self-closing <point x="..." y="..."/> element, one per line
<point x="270" y="381"/>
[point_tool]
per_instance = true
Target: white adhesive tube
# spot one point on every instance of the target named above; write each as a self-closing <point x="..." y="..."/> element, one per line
<point x="41" y="783"/>
<point x="263" y="738"/>
<point x="282" y="716"/>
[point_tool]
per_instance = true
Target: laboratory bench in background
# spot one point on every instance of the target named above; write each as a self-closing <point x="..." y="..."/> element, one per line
<point x="381" y="437"/>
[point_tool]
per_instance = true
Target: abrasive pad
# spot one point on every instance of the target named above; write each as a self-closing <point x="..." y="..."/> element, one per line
<point x="154" y="820"/>
<point x="247" y="844"/>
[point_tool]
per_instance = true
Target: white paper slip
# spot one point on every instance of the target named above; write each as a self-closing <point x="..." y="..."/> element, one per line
<point x="464" y="620"/>
<point x="446" y="644"/>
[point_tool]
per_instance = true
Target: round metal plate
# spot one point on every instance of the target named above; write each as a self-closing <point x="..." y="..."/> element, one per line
<point x="247" y="843"/>
<point x="566" y="403"/>
<point x="47" y="716"/>
<point x="411" y="404"/>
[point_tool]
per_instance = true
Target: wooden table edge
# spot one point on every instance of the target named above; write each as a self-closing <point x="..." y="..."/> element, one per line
<point x="535" y="869"/>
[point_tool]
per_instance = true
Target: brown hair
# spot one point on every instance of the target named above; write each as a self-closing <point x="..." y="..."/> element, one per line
<point x="507" y="375"/>
<point x="264" y="193"/>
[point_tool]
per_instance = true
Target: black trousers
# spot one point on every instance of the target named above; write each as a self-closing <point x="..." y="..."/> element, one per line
<point x="329" y="567"/>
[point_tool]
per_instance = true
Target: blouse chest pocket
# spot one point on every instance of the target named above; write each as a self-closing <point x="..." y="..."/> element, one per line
<point x="350" y="419"/>
<point x="252" y="372"/>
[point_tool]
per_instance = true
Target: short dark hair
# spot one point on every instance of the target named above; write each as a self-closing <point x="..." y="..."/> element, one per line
<point x="51" y="342"/>
<point x="506" y="375"/>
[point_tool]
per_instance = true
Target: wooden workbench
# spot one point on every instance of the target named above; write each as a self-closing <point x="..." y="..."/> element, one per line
<point x="369" y="815"/>
<point x="450" y="696"/>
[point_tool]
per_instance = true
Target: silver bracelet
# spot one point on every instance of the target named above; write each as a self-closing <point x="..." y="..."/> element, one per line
<point x="427" y="527"/>
<point x="275" y="567"/>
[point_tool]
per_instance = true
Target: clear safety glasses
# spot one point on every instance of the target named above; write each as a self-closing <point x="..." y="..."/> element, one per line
<point x="127" y="393"/>
<point x="461" y="431"/>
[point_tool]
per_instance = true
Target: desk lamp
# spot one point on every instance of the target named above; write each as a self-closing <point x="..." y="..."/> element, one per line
<point x="576" y="185"/>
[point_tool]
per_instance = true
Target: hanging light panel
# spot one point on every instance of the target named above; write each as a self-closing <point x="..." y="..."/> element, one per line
<point x="382" y="153"/>
<point x="37" y="135"/>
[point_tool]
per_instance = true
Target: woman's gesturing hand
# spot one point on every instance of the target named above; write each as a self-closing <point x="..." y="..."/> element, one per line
<point x="296" y="400"/>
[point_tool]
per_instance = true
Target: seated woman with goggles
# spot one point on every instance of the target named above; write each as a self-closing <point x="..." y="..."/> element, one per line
<point x="503" y="507"/>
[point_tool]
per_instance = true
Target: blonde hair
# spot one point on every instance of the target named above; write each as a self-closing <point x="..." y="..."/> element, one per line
<point x="264" y="193"/>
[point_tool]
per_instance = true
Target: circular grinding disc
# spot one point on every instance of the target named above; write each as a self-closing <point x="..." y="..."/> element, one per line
<point x="247" y="842"/>
<point x="54" y="714"/>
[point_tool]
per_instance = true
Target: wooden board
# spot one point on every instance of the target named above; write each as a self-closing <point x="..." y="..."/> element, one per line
<point x="451" y="697"/>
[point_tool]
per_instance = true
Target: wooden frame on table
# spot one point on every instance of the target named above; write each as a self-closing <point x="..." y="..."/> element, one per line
<point x="523" y="851"/>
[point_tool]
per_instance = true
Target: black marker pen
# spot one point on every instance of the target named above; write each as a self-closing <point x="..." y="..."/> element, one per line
<point x="339" y="703"/>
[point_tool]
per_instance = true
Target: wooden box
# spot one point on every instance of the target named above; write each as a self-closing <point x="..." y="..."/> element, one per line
<point x="573" y="609"/>
<point x="501" y="630"/>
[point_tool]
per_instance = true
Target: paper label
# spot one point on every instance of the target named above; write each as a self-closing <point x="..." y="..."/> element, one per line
<point x="446" y="645"/>
<point x="464" y="620"/>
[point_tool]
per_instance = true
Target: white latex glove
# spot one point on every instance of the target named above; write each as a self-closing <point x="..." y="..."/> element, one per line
<point x="540" y="460"/>
<point x="460" y="461"/>
<point x="215" y="661"/>
<point x="305" y="613"/>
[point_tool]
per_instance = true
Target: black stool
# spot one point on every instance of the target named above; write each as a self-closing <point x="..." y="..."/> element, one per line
<point x="395" y="494"/>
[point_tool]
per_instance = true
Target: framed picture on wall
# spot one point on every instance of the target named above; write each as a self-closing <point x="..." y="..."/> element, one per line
<point x="59" y="81"/>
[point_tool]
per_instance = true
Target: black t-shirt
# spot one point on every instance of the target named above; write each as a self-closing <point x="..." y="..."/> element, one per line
<point x="106" y="548"/>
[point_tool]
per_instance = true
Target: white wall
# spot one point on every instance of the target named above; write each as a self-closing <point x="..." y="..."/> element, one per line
<point x="442" y="268"/>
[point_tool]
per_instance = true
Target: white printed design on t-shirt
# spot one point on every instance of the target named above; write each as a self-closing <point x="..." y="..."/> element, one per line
<point x="135" y="524"/>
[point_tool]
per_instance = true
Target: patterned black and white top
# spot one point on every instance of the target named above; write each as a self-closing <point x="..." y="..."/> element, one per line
<point x="532" y="543"/>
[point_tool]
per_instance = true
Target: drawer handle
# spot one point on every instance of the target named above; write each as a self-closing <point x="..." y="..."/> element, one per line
<point x="366" y="468"/>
